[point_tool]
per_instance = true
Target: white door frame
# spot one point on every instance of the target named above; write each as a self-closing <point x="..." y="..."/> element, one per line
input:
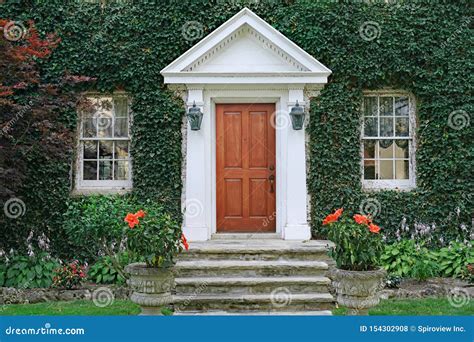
<point x="199" y="205"/>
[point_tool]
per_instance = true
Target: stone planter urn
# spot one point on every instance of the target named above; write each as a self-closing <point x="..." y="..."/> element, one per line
<point x="358" y="290"/>
<point x="151" y="287"/>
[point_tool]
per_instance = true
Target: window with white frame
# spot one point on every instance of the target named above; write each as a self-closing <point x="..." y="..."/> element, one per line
<point x="104" y="144"/>
<point x="387" y="141"/>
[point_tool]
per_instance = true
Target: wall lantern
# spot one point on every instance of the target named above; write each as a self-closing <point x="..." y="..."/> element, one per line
<point x="194" y="117"/>
<point x="297" y="117"/>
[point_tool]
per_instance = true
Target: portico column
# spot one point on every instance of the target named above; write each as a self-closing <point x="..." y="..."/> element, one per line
<point x="194" y="223"/>
<point x="296" y="227"/>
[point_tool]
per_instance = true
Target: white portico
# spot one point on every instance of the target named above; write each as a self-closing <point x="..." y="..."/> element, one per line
<point x="246" y="61"/>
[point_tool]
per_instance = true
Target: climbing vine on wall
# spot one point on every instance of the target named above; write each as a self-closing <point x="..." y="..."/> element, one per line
<point x="421" y="47"/>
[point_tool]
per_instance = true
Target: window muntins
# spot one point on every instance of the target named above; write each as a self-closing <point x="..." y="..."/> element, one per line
<point x="388" y="146"/>
<point x="104" y="144"/>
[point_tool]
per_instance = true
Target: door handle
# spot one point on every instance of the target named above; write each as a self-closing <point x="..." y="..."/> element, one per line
<point x="271" y="178"/>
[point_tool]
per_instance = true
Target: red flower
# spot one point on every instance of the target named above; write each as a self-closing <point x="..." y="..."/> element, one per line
<point x="362" y="219"/>
<point x="333" y="217"/>
<point x="374" y="228"/>
<point x="132" y="220"/>
<point x="184" y="242"/>
<point x="140" y="214"/>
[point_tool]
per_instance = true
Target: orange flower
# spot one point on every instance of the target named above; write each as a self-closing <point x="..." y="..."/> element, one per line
<point x="140" y="214"/>
<point x="362" y="219"/>
<point x="132" y="220"/>
<point x="374" y="228"/>
<point x="184" y="242"/>
<point x="338" y="213"/>
<point x="333" y="217"/>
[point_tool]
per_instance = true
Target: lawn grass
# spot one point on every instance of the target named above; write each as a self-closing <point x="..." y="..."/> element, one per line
<point x="415" y="307"/>
<point x="396" y="307"/>
<point x="78" y="307"/>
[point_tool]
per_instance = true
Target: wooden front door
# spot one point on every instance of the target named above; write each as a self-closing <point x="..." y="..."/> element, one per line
<point x="245" y="174"/>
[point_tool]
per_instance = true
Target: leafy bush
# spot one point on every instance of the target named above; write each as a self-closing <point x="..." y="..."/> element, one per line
<point x="358" y="243"/>
<point x="400" y="257"/>
<point x="22" y="271"/>
<point x="158" y="239"/>
<point x="94" y="224"/>
<point x="70" y="275"/>
<point x="424" y="268"/>
<point x="109" y="270"/>
<point x="454" y="259"/>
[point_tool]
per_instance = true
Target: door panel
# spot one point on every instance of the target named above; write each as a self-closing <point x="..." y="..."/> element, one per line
<point x="245" y="151"/>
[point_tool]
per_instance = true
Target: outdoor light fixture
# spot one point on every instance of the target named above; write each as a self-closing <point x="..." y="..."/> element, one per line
<point x="195" y="117"/>
<point x="297" y="117"/>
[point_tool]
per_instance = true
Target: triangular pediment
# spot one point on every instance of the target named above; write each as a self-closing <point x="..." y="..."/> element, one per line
<point x="245" y="49"/>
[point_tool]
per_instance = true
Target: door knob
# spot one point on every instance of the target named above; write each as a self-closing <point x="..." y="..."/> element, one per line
<point x="271" y="178"/>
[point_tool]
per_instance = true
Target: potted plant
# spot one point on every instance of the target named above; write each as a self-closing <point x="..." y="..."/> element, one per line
<point x="358" y="247"/>
<point x="157" y="239"/>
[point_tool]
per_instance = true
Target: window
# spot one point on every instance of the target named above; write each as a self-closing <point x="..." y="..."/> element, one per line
<point x="387" y="141"/>
<point x="104" y="148"/>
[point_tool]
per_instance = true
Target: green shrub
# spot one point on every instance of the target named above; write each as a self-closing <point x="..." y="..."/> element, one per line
<point x="22" y="271"/>
<point x="109" y="270"/>
<point x="454" y="259"/>
<point x="400" y="257"/>
<point x="94" y="224"/>
<point x="424" y="268"/>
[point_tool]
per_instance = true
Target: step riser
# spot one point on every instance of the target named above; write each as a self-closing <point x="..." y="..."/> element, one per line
<point x="190" y="290"/>
<point x="251" y="272"/>
<point x="319" y="256"/>
<point x="193" y="306"/>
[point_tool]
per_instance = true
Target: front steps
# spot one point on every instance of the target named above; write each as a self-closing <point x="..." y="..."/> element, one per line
<point x="248" y="276"/>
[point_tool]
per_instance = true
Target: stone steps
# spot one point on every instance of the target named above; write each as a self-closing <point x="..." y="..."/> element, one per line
<point x="266" y="302"/>
<point x="249" y="268"/>
<point x="251" y="285"/>
<point x="253" y="276"/>
<point x="224" y="249"/>
<point x="254" y="313"/>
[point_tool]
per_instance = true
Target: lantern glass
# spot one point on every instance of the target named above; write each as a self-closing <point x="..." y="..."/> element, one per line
<point x="194" y="117"/>
<point x="297" y="117"/>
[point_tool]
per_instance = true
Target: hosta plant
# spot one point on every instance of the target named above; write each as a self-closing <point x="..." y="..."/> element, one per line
<point x="23" y="271"/>
<point x="400" y="257"/>
<point x="109" y="270"/>
<point x="454" y="260"/>
<point x="358" y="244"/>
<point x="155" y="237"/>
